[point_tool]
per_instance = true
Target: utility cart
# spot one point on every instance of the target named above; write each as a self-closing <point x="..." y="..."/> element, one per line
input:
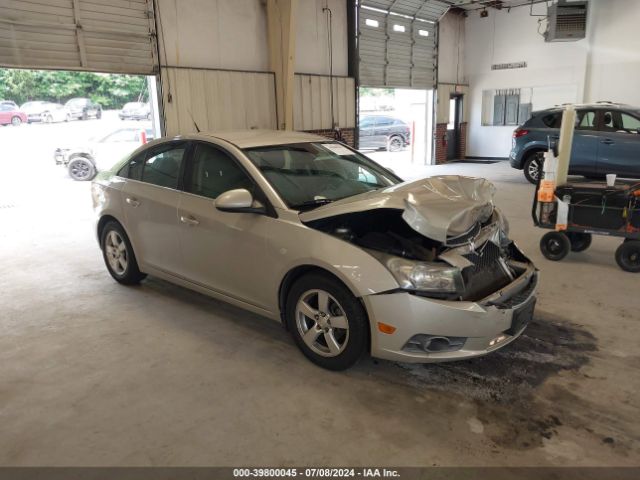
<point x="593" y="209"/>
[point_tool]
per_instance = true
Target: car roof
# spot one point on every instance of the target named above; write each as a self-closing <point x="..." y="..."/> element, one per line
<point x="608" y="105"/>
<point x="261" y="138"/>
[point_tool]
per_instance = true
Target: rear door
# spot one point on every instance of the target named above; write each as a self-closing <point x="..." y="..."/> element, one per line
<point x="584" y="151"/>
<point x="151" y="198"/>
<point x="619" y="144"/>
<point x="382" y="131"/>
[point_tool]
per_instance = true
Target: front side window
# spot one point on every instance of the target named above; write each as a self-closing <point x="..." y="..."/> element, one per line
<point x="162" y="166"/>
<point x="214" y="172"/>
<point x="309" y="174"/>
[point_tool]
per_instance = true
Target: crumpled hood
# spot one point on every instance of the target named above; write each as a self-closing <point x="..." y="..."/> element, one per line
<point x="439" y="207"/>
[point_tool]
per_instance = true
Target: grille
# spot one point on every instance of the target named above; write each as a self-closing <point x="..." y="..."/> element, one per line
<point x="486" y="275"/>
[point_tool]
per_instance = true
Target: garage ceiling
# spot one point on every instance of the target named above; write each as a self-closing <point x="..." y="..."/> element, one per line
<point x="397" y="42"/>
<point x="116" y="36"/>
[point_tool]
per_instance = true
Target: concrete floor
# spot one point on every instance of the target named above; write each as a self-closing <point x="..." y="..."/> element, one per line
<point x="94" y="373"/>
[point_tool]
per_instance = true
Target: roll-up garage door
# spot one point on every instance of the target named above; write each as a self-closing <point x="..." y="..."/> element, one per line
<point x="397" y="42"/>
<point x="116" y="36"/>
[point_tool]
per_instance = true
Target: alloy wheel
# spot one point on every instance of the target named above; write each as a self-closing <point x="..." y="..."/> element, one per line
<point x="395" y="144"/>
<point x="80" y="169"/>
<point x="533" y="168"/>
<point x="322" y="323"/>
<point x="116" y="251"/>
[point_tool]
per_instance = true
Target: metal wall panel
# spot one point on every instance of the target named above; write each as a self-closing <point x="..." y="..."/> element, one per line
<point x="312" y="102"/>
<point x="397" y="46"/>
<point x="217" y="100"/>
<point x="116" y="36"/>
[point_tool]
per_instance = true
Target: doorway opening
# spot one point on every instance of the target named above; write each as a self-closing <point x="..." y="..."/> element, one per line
<point x="454" y="133"/>
<point x="395" y="126"/>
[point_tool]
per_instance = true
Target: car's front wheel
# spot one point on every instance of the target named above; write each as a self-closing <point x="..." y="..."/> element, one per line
<point x="533" y="166"/>
<point x="81" y="169"/>
<point x="15" y="121"/>
<point x="327" y="321"/>
<point x="118" y="255"/>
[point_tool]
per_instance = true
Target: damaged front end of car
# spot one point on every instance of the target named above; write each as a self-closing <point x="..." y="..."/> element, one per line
<point x="448" y="241"/>
<point x="445" y="242"/>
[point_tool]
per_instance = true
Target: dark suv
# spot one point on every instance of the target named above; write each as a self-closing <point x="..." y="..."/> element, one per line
<point x="83" y="108"/>
<point x="378" y="131"/>
<point x="606" y="140"/>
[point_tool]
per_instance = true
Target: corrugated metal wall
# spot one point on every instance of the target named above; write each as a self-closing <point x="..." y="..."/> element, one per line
<point x="217" y="100"/>
<point x="312" y="102"/>
<point x="116" y="36"/>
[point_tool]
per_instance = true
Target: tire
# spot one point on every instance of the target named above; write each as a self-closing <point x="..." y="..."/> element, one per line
<point x="99" y="114"/>
<point x="347" y="344"/>
<point x="555" y="246"/>
<point x="628" y="256"/>
<point x="48" y="119"/>
<point x="533" y="166"/>
<point x="395" y="143"/>
<point x="67" y="118"/>
<point x="85" y="115"/>
<point x="81" y="169"/>
<point x="16" y="121"/>
<point x="118" y="255"/>
<point x="579" y="241"/>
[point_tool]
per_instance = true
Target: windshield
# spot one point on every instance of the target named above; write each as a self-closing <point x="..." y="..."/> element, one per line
<point x="308" y="175"/>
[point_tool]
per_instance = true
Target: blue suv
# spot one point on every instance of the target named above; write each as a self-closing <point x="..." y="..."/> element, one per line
<point x="606" y="140"/>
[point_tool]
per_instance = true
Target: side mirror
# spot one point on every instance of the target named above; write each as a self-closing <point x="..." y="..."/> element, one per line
<point x="239" y="200"/>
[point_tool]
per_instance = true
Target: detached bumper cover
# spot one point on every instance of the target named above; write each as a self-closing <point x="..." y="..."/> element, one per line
<point x="487" y="325"/>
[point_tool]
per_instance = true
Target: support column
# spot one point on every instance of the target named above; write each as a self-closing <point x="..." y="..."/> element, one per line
<point x="281" y="18"/>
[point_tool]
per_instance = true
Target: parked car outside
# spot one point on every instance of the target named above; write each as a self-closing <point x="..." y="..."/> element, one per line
<point x="380" y="131"/>
<point x="11" y="115"/>
<point x="9" y="102"/>
<point x="606" y="140"/>
<point x="49" y="112"/>
<point x="83" y="109"/>
<point x="135" y="111"/>
<point x="85" y="161"/>
<point x="307" y="231"/>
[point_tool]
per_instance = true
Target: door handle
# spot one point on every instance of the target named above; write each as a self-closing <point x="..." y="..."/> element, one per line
<point x="132" y="201"/>
<point x="191" y="221"/>
<point x="607" y="141"/>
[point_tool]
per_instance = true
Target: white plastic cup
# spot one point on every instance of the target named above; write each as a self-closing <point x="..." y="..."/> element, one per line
<point x="611" y="179"/>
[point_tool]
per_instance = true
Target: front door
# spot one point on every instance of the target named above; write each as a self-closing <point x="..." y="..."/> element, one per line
<point x="222" y="251"/>
<point x="151" y="206"/>
<point x="619" y="147"/>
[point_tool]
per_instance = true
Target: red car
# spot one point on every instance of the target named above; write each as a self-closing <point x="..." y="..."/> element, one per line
<point x="10" y="114"/>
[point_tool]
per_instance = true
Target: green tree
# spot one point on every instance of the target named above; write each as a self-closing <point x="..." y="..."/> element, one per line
<point x="109" y="90"/>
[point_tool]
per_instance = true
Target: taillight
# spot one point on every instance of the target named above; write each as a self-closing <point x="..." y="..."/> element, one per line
<point x="520" y="133"/>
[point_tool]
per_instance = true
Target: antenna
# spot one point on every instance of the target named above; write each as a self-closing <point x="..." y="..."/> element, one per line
<point x="194" y="122"/>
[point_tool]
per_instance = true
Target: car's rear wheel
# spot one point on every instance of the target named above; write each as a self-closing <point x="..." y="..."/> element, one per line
<point x="628" y="256"/>
<point x="81" y="169"/>
<point x="15" y="121"/>
<point x="118" y="255"/>
<point x="327" y="321"/>
<point x="579" y="241"/>
<point x="533" y="166"/>
<point x="67" y="118"/>
<point x="395" y="143"/>
<point x="555" y="246"/>
<point x="48" y="119"/>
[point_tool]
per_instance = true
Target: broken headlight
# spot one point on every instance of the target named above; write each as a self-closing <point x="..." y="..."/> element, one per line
<point x="425" y="277"/>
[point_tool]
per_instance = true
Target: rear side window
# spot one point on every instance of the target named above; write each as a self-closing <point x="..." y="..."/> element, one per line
<point x="586" y="120"/>
<point x="162" y="166"/>
<point x="552" y="120"/>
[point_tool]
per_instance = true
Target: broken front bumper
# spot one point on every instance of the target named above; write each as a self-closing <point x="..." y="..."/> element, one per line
<point x="456" y="329"/>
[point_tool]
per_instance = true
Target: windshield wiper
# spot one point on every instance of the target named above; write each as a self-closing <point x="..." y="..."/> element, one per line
<point x="310" y="204"/>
